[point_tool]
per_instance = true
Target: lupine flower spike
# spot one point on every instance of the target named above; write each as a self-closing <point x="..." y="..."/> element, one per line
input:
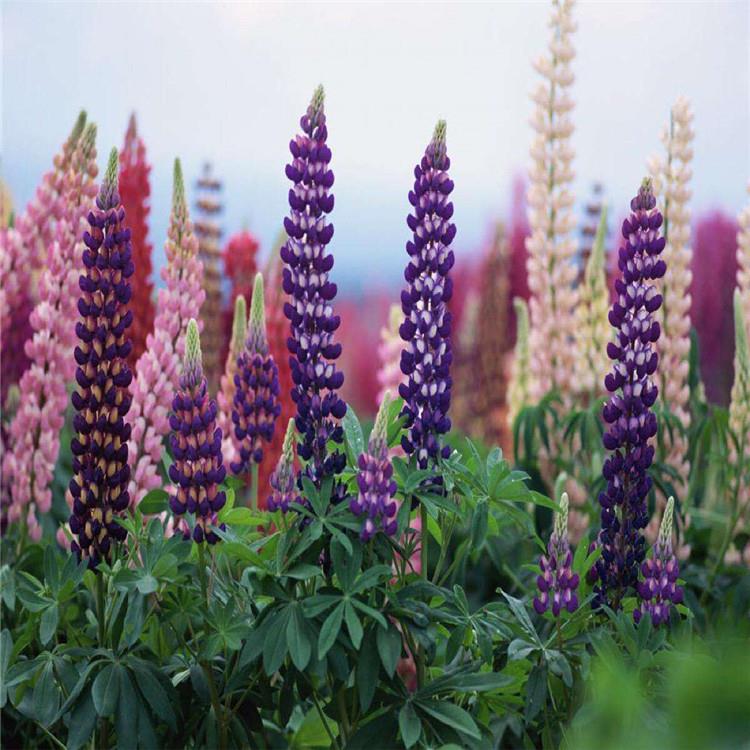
<point x="198" y="468"/>
<point x="375" y="481"/>
<point x="283" y="482"/>
<point x="519" y="392"/>
<point x="557" y="582"/>
<point x="100" y="446"/>
<point x="628" y="411"/>
<point x="309" y="309"/>
<point x="658" y="590"/>
<point x="426" y="330"/>
<point x="227" y="387"/>
<point x="256" y="395"/>
<point x="390" y="376"/>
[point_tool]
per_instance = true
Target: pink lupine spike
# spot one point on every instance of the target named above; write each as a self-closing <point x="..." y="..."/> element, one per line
<point x="157" y="371"/>
<point x="225" y="397"/>
<point x="35" y="431"/>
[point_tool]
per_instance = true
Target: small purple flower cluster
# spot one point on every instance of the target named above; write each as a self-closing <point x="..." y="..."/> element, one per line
<point x="198" y="468"/>
<point x="426" y="330"/>
<point x="375" y="482"/>
<point x="557" y="583"/>
<point x="100" y="444"/>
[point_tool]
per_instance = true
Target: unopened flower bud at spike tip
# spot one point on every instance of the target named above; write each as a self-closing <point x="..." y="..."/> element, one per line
<point x="192" y="370"/>
<point x="256" y="335"/>
<point x="561" y="519"/>
<point x="108" y="194"/>
<point x="665" y="529"/>
<point x="239" y="324"/>
<point x="740" y="333"/>
<point x="318" y="99"/>
<point x="78" y="127"/>
<point x="178" y="189"/>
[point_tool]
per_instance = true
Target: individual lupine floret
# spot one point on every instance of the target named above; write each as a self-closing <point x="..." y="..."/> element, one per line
<point x="519" y="392"/>
<point x="256" y="389"/>
<point x="557" y="582"/>
<point x="671" y="177"/>
<point x="390" y="376"/>
<point x="426" y="330"/>
<point x="375" y="481"/>
<point x="100" y="443"/>
<point x="309" y="309"/>
<point x="198" y="468"/>
<point x="594" y="333"/>
<point x="552" y="247"/>
<point x="283" y="482"/>
<point x="34" y="442"/>
<point x="658" y="590"/>
<point x="227" y="388"/>
<point x="628" y="410"/>
<point x="157" y="371"/>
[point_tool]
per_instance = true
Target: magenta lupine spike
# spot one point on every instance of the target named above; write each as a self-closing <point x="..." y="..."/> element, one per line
<point x="628" y="411"/>
<point x="256" y="394"/>
<point x="557" y="583"/>
<point x="375" y="481"/>
<point x="658" y="590"/>
<point x="158" y="368"/>
<point x="283" y="482"/>
<point x="100" y="443"/>
<point x="426" y="330"/>
<point x="35" y="431"/>
<point x="198" y="468"/>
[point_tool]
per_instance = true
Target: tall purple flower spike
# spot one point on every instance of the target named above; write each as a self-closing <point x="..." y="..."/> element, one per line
<point x="426" y="356"/>
<point x="628" y="411"/>
<point x="375" y="481"/>
<point x="256" y="396"/>
<point x="658" y="590"/>
<point x="557" y="583"/>
<point x="309" y="309"/>
<point x="198" y="468"/>
<point x="100" y="445"/>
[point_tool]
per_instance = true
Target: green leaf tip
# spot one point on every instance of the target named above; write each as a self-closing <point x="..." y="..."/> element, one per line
<point x="256" y="335"/>
<point x="239" y="324"/>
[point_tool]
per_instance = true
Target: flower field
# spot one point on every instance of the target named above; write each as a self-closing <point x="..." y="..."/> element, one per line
<point x="514" y="513"/>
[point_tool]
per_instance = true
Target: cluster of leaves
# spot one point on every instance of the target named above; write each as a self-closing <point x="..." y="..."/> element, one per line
<point x="291" y="632"/>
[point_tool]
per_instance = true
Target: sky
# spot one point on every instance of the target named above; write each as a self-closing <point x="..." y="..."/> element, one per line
<point x="228" y="83"/>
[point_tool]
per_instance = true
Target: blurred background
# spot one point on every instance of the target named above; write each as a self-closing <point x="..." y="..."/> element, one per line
<point x="227" y="83"/>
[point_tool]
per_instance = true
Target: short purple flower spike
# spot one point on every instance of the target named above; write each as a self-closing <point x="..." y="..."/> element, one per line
<point x="198" y="468"/>
<point x="309" y="309"/>
<point x="628" y="411"/>
<point x="283" y="486"/>
<point x="557" y="583"/>
<point x="100" y="446"/>
<point x="658" y="590"/>
<point x="426" y="330"/>
<point x="375" y="481"/>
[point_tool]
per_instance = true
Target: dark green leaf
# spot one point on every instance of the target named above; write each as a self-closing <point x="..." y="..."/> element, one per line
<point x="368" y="667"/>
<point x="389" y="648"/>
<point x="353" y="625"/>
<point x="275" y="647"/>
<point x="452" y="716"/>
<point x="536" y="691"/>
<point x="46" y="699"/>
<point x="479" y="525"/>
<point x="48" y="623"/>
<point x="300" y="648"/>
<point x="133" y="624"/>
<point x="127" y="710"/>
<point x="330" y="630"/>
<point x="154" y="502"/>
<point x="409" y="725"/>
<point x="106" y="690"/>
<point x="355" y="441"/>
<point x="6" y="647"/>
<point x="82" y="722"/>
<point x="155" y="695"/>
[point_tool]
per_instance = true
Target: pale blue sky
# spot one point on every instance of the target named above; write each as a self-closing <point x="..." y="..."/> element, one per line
<point x="229" y="82"/>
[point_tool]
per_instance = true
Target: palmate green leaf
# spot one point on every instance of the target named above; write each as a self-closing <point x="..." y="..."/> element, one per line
<point x="330" y="630"/>
<point x="300" y="646"/>
<point x="82" y="722"/>
<point x="127" y="711"/>
<point x="355" y="440"/>
<point x="367" y="610"/>
<point x="6" y="648"/>
<point x="479" y="524"/>
<point x="518" y="608"/>
<point x="46" y="696"/>
<point x="409" y="725"/>
<point x="389" y="647"/>
<point x="156" y="693"/>
<point x="368" y="668"/>
<point x="353" y="625"/>
<point x="450" y="715"/>
<point x="106" y="690"/>
<point x="241" y="517"/>
<point x="276" y="644"/>
<point x="154" y="502"/>
<point x="48" y="623"/>
<point x="346" y="563"/>
<point x="536" y="691"/>
<point x="8" y="587"/>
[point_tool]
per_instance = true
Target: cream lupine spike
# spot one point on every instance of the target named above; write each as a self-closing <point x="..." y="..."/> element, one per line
<point x="225" y="396"/>
<point x="518" y="388"/>
<point x="739" y="425"/>
<point x="743" y="259"/>
<point x="551" y="246"/>
<point x="593" y="325"/>
<point x="671" y="177"/>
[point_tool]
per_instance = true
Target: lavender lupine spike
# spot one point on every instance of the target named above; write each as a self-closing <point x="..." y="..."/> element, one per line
<point x="99" y="486"/>
<point x="426" y="330"/>
<point x="658" y="590"/>
<point x="198" y="467"/>
<point x="375" y="480"/>
<point x="309" y="310"/>
<point x="282" y="480"/>
<point x="557" y="583"/>
<point x="631" y="422"/>
<point x="256" y="395"/>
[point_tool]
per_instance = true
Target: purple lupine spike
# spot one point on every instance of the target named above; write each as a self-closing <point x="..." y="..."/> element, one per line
<point x="557" y="583"/>
<point x="658" y="590"/>
<point x="426" y="356"/>
<point x="283" y="486"/>
<point x="375" y="481"/>
<point x="309" y="309"/>
<point x="100" y="444"/>
<point x="628" y="410"/>
<point x="198" y="468"/>
<point x="256" y="404"/>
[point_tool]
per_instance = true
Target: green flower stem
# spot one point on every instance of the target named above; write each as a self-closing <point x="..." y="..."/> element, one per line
<point x="101" y="623"/>
<point x="424" y="534"/>
<point x="254" y="487"/>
